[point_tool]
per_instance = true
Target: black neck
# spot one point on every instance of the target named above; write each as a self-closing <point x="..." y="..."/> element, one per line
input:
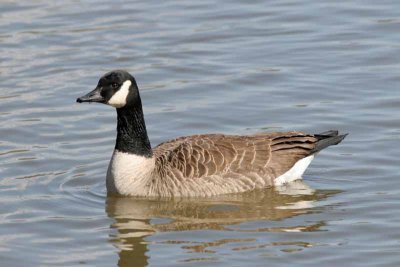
<point x="131" y="131"/>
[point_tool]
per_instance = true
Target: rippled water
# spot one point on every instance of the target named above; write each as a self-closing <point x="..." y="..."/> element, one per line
<point x="202" y="67"/>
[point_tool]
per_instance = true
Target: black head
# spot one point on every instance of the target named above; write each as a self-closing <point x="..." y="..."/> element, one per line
<point x="116" y="88"/>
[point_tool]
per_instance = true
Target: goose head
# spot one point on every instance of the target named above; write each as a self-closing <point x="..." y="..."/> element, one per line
<point x="116" y="88"/>
<point x="119" y="89"/>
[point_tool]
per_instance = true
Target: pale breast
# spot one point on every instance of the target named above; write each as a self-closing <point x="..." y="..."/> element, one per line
<point x="129" y="174"/>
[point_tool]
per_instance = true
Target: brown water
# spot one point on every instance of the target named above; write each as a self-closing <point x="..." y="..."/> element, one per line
<point x="203" y="67"/>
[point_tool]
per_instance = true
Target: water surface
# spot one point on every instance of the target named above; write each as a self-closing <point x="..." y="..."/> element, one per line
<point x="202" y="67"/>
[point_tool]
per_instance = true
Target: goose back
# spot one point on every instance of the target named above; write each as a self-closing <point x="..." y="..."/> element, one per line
<point x="203" y="165"/>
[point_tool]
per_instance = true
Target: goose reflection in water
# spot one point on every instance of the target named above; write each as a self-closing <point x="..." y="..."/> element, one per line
<point x="138" y="218"/>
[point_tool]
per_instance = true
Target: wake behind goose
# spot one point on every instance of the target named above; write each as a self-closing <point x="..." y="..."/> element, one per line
<point x="198" y="165"/>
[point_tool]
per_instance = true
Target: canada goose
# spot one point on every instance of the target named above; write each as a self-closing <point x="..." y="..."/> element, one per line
<point x="198" y="165"/>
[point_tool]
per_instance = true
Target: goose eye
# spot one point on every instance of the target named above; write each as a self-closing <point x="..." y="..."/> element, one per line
<point x="115" y="85"/>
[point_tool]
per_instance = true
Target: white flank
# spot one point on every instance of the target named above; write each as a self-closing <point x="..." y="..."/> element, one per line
<point x="295" y="172"/>
<point x="129" y="174"/>
<point x="118" y="100"/>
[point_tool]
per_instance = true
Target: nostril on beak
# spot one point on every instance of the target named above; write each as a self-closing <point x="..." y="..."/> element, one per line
<point x="93" y="96"/>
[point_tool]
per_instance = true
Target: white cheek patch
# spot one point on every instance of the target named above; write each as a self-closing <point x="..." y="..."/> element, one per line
<point x="118" y="100"/>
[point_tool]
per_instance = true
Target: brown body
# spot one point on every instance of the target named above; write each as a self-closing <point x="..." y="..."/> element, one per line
<point x="202" y="165"/>
<point x="199" y="156"/>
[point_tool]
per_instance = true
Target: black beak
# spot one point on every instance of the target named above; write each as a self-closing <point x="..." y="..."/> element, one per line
<point x="93" y="96"/>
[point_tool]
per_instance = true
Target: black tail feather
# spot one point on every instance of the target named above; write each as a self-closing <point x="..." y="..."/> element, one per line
<point x="329" y="133"/>
<point x="326" y="139"/>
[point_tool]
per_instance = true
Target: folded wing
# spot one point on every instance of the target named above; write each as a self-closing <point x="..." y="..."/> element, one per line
<point x="266" y="156"/>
